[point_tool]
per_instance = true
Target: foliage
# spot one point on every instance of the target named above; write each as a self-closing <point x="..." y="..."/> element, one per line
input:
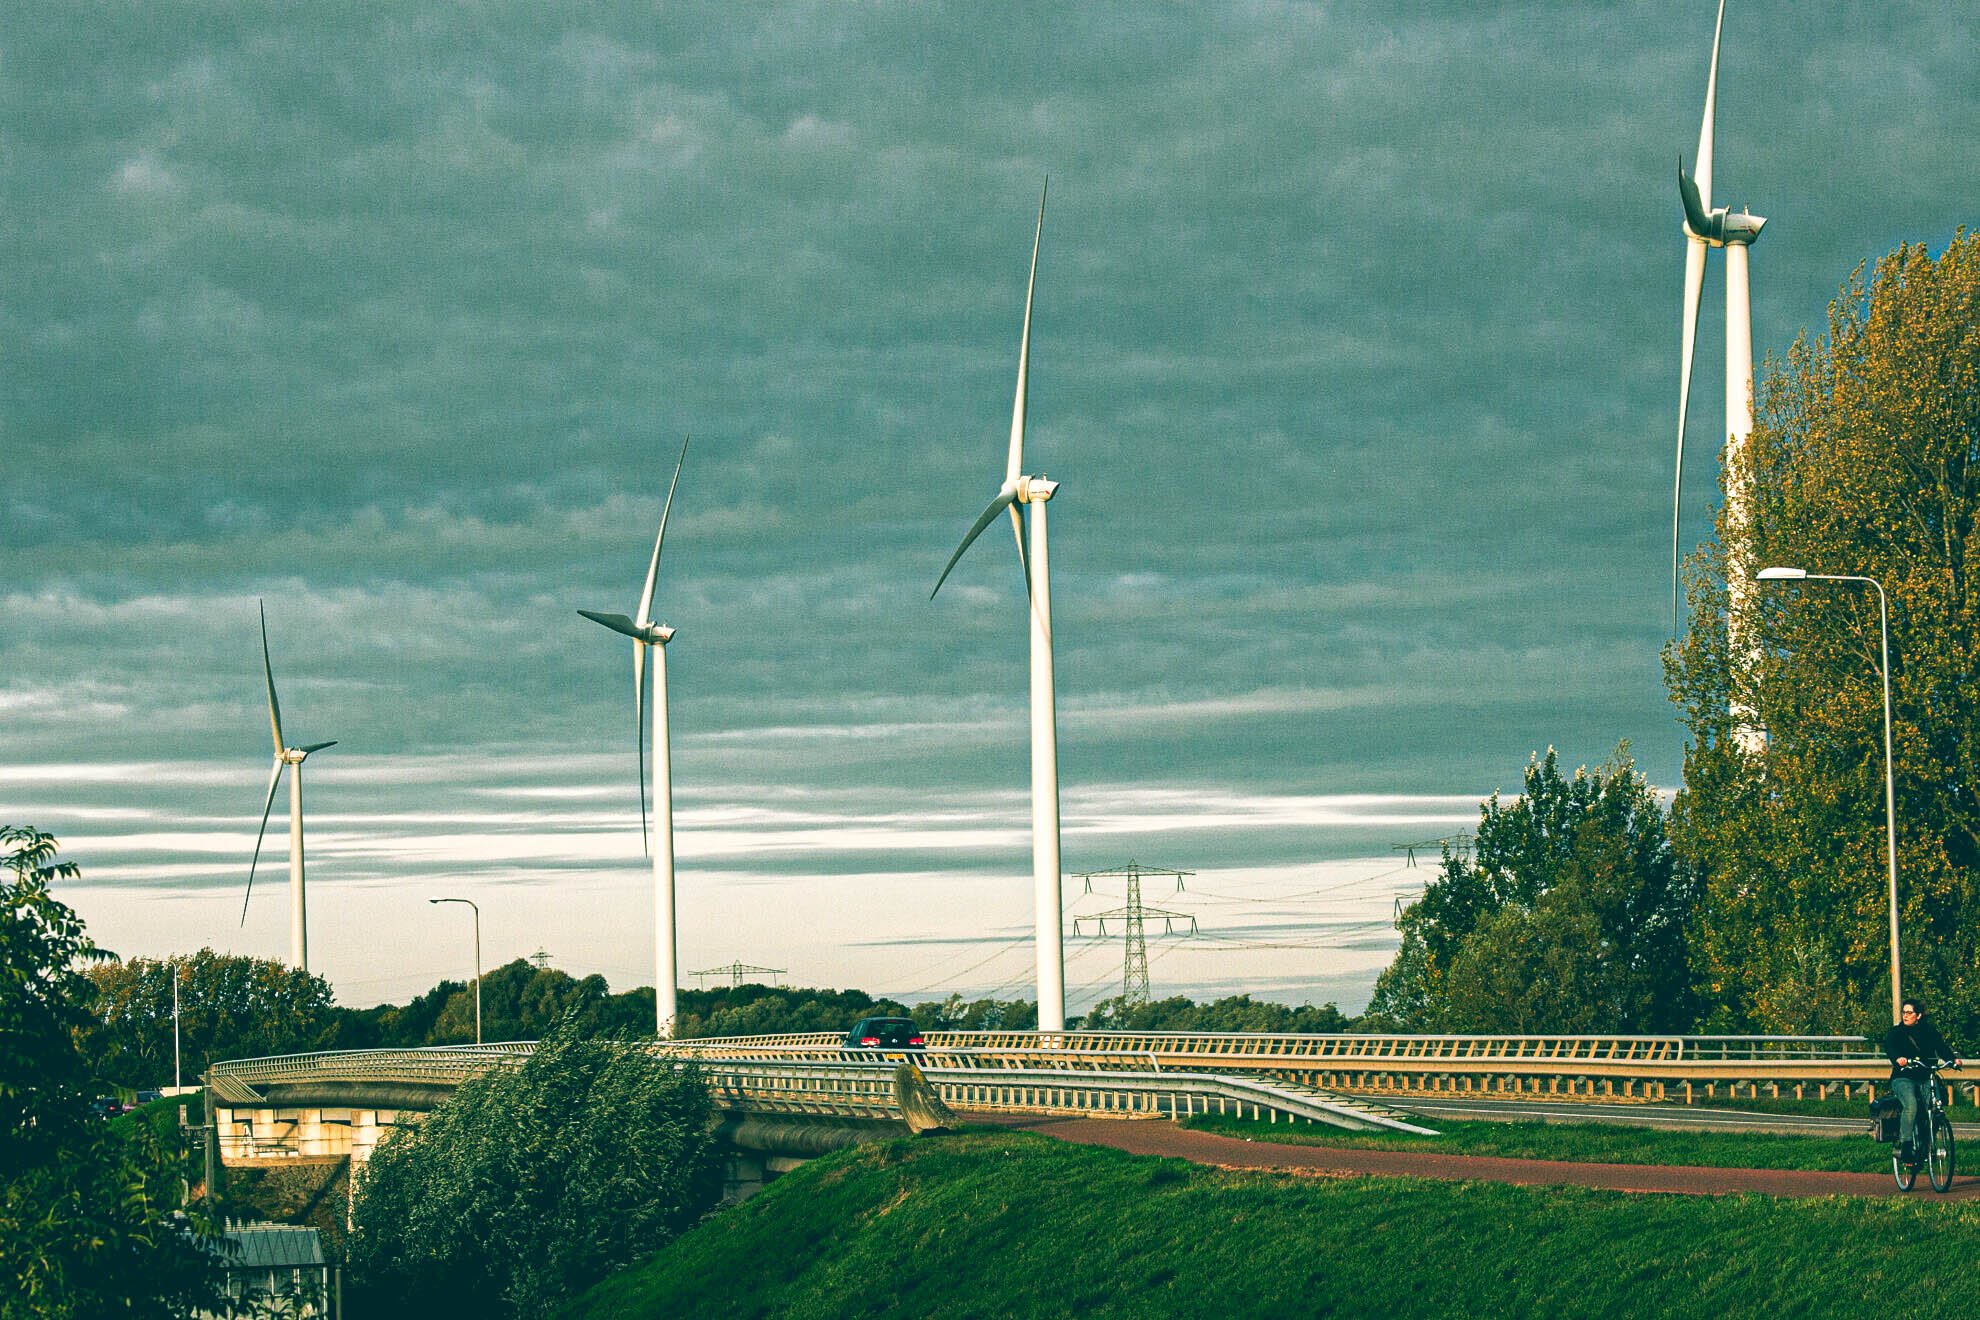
<point x="956" y="1014"/>
<point x="84" y="1227"/>
<point x="755" y="1010"/>
<point x="230" y="1007"/>
<point x="1862" y="462"/>
<point x="1234" y="1013"/>
<point x="1008" y="1224"/>
<point x="1570" y="914"/>
<point x="519" y="1001"/>
<point x="533" y="1182"/>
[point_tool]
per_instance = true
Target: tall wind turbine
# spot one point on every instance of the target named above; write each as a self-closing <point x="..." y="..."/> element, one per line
<point x="1735" y="231"/>
<point x="1031" y="493"/>
<point x="646" y="634"/>
<point x="285" y="755"/>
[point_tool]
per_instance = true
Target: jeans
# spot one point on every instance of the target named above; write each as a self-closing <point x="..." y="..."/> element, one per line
<point x="1910" y="1093"/>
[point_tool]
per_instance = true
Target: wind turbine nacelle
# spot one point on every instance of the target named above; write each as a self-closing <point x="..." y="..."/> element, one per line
<point x="1718" y="227"/>
<point x="659" y="634"/>
<point x="1739" y="227"/>
<point x="1035" y="490"/>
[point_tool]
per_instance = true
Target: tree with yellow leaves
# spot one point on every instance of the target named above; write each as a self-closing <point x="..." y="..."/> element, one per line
<point x="1864" y="460"/>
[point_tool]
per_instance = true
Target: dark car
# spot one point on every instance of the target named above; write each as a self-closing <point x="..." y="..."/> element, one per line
<point x="884" y="1033"/>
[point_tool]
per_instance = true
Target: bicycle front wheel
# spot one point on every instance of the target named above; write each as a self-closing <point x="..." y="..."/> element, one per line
<point x="1939" y="1153"/>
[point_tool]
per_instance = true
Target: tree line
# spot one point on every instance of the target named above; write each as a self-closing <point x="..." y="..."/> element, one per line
<point x="232" y="1006"/>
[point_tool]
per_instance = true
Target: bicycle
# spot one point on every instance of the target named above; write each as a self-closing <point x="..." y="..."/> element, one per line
<point x="1938" y="1142"/>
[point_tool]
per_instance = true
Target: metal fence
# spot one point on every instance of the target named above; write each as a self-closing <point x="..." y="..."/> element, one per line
<point x="1685" y="1068"/>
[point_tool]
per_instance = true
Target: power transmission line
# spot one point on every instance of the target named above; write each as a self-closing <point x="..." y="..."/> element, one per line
<point x="734" y="971"/>
<point x="1459" y="844"/>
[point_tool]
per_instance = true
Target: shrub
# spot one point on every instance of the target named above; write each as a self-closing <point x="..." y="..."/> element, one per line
<point x="533" y="1182"/>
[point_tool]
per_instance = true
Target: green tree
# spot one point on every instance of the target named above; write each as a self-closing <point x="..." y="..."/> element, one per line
<point x="1862" y="461"/>
<point x="534" y="1182"/>
<point x="521" y="1001"/>
<point x="1232" y="1013"/>
<point x="1571" y="913"/>
<point x="230" y="1007"/>
<point x="84" y="1227"/>
<point x="957" y="1014"/>
<point x="756" y="1010"/>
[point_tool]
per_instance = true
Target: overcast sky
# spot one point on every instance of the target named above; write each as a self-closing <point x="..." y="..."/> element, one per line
<point x="1355" y="352"/>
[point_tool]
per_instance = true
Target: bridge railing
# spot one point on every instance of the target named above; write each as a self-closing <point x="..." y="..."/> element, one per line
<point x="1639" y="1066"/>
<point x="1655" y="1067"/>
<point x="1358" y="1046"/>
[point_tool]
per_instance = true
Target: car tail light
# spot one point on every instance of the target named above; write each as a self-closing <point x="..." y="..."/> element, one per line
<point x="869" y="1040"/>
<point x="914" y="1040"/>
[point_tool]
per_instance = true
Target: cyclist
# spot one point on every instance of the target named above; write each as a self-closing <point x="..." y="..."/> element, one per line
<point x="1912" y="1046"/>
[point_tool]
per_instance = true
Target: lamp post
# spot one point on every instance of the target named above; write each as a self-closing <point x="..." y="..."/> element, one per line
<point x="1890" y="786"/>
<point x="477" y="958"/>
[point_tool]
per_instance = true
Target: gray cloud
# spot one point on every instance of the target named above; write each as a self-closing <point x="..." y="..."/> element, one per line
<point x="1355" y="349"/>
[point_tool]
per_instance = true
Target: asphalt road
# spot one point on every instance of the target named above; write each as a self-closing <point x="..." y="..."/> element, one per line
<point x="1691" y="1118"/>
<point x="1155" y="1137"/>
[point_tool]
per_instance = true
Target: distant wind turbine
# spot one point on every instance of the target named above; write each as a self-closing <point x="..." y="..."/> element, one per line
<point x="1735" y="231"/>
<point x="284" y="756"/>
<point x="1032" y="493"/>
<point x="647" y="634"/>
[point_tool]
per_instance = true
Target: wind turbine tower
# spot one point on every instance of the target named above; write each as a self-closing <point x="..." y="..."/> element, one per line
<point x="286" y="757"/>
<point x="1030" y="494"/>
<point x="1735" y="232"/>
<point x="647" y="635"/>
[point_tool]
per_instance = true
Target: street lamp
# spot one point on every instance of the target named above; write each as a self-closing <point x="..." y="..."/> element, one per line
<point x="1890" y="787"/>
<point x="477" y="958"/>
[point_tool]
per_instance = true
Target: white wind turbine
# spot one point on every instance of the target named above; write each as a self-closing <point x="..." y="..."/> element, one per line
<point x="1032" y="493"/>
<point x="1734" y="231"/>
<point x="647" y="634"/>
<point x="284" y="756"/>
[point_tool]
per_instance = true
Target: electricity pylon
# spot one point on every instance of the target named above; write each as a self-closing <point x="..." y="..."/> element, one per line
<point x="1134" y="970"/>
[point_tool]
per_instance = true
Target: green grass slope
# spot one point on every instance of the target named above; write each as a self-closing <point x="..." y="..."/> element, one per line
<point x="992" y="1224"/>
<point x="1593" y="1143"/>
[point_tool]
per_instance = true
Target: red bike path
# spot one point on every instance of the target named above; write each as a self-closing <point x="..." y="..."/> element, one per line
<point x="1157" y="1137"/>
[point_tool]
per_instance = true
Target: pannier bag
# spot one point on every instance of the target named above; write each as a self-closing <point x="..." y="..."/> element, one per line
<point x="1884" y="1115"/>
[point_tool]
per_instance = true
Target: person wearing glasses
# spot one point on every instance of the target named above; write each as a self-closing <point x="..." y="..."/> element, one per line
<point x="1912" y="1046"/>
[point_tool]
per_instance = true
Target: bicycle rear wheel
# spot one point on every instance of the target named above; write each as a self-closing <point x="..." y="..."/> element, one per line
<point x="1939" y="1153"/>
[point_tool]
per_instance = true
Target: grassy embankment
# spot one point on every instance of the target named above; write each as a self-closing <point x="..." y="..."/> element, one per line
<point x="1588" y="1143"/>
<point x="1013" y="1224"/>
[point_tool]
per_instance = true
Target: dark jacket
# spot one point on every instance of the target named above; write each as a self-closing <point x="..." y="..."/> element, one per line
<point x="1920" y="1040"/>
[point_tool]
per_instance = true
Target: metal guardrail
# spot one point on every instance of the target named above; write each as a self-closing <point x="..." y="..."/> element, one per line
<point x="1655" y="1067"/>
<point x="1357" y="1046"/>
<point x="1641" y="1067"/>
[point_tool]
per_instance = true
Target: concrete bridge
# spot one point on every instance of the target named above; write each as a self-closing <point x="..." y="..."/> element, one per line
<point x="783" y="1099"/>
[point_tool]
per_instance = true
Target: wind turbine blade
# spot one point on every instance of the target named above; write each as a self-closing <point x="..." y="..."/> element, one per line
<point x="1024" y="555"/>
<point x="274" y="782"/>
<point x="653" y="567"/>
<point x="1694" y="283"/>
<point x="997" y="506"/>
<point x="639" y="737"/>
<point x="317" y="747"/>
<point x="1704" y="170"/>
<point x="618" y="623"/>
<point x="1016" y="463"/>
<point x="1697" y="220"/>
<point x="268" y="672"/>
